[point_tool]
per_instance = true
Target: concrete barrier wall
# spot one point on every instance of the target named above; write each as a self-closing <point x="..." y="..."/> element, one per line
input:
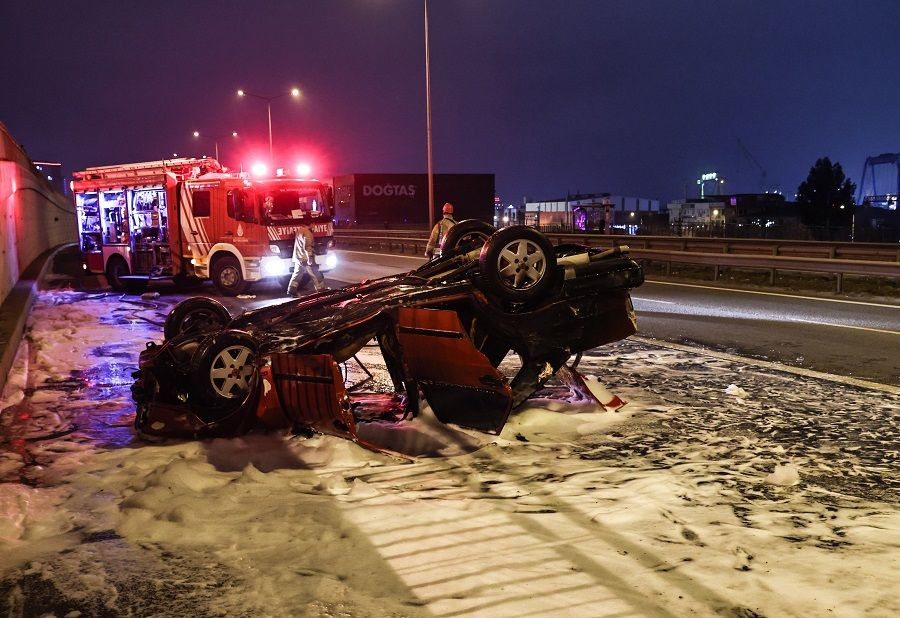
<point x="33" y="216"/>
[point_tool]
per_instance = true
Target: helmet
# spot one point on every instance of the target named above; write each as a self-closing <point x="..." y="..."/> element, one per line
<point x="448" y="208"/>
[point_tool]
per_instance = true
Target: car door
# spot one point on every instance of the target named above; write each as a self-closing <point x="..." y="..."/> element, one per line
<point x="458" y="381"/>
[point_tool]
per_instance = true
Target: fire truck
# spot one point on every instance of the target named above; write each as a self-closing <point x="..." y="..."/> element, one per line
<point x="191" y="219"/>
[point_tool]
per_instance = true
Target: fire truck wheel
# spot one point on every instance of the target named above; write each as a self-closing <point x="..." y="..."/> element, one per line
<point x="226" y="274"/>
<point x="518" y="264"/>
<point x="196" y="315"/>
<point x="116" y="271"/>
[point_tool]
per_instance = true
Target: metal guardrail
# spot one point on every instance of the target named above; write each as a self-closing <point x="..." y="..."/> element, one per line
<point x="839" y="259"/>
<point x="747" y="246"/>
<point x="889" y="252"/>
<point x="403" y="245"/>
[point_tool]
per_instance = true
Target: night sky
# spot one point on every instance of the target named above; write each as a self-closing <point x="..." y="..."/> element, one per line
<point x="634" y="98"/>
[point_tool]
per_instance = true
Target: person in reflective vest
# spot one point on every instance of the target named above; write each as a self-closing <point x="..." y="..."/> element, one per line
<point x="304" y="262"/>
<point x="439" y="232"/>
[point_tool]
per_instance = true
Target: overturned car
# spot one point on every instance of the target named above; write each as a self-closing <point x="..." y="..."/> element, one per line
<point x="443" y="329"/>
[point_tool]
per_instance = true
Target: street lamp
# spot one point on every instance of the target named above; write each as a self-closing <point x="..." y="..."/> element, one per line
<point x="428" y="122"/>
<point x="719" y="222"/>
<point x="215" y="139"/>
<point x="295" y="92"/>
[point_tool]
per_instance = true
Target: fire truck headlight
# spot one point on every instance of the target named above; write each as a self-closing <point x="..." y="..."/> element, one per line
<point x="272" y="266"/>
<point x="274" y="249"/>
<point x="330" y="260"/>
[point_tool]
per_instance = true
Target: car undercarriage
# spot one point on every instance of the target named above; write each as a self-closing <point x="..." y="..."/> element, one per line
<point x="442" y="329"/>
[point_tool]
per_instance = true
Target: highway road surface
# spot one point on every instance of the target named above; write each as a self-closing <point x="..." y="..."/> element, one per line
<point x="844" y="337"/>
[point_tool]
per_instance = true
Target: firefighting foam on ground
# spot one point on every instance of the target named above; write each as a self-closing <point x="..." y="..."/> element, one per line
<point x="743" y="494"/>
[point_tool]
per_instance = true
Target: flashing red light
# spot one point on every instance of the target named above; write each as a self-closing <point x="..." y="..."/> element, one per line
<point x="303" y="169"/>
<point x="259" y="169"/>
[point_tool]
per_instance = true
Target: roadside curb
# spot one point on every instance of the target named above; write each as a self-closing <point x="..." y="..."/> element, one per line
<point x="15" y="309"/>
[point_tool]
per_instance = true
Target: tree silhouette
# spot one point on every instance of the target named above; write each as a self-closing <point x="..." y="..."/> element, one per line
<point x="826" y="196"/>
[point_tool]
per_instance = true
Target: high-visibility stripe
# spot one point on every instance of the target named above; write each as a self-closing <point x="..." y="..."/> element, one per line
<point x="200" y="243"/>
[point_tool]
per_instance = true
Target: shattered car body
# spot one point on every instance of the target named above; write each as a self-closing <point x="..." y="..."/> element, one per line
<point x="443" y="329"/>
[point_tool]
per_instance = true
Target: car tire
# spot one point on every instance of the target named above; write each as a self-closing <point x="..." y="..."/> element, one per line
<point x="196" y="315"/>
<point x="227" y="275"/>
<point x="518" y="264"/>
<point x="466" y="236"/>
<point x="224" y="374"/>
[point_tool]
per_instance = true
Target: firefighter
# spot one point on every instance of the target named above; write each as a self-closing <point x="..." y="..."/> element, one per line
<point x="304" y="262"/>
<point x="440" y="230"/>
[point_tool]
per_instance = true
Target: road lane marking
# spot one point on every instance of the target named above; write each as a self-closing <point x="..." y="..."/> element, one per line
<point x="828" y="300"/>
<point x="874" y="330"/>
<point x="813" y="322"/>
<point x="808" y="373"/>
<point x="651" y="300"/>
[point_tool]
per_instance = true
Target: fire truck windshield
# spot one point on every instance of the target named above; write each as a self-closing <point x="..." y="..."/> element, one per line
<point x="293" y="204"/>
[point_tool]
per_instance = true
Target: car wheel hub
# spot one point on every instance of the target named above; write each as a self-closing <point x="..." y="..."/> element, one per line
<point x="231" y="371"/>
<point x="521" y="264"/>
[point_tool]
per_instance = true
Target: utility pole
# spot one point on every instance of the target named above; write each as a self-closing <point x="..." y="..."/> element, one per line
<point x="431" y="220"/>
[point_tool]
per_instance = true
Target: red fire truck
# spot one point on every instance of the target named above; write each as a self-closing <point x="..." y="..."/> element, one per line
<point x="191" y="219"/>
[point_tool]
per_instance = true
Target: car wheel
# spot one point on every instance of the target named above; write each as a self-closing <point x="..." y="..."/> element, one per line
<point x="466" y="236"/>
<point x="226" y="274"/>
<point x="224" y="373"/>
<point x="115" y="270"/>
<point x="518" y="264"/>
<point x="196" y="315"/>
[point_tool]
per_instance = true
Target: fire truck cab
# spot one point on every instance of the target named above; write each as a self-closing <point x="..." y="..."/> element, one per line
<point x="190" y="219"/>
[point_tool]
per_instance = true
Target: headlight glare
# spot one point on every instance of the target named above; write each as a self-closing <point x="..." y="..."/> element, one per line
<point x="272" y="266"/>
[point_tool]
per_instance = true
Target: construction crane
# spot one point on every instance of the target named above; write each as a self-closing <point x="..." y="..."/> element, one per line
<point x="762" y="172"/>
<point x="886" y="196"/>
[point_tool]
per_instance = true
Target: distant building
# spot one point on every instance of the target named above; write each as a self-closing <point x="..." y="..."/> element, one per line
<point x="508" y="214"/>
<point x="588" y="212"/>
<point x="732" y="212"/>
<point x="402" y="199"/>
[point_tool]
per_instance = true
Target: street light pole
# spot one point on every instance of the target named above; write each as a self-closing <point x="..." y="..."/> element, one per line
<point x="295" y="92"/>
<point x="271" y="150"/>
<point x="215" y="139"/>
<point x="431" y="219"/>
